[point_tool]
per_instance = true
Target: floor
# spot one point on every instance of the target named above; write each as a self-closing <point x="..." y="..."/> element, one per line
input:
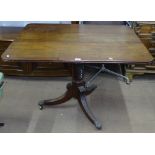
<point x="120" y="107"/>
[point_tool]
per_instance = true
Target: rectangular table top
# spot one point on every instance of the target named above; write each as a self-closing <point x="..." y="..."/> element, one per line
<point x="77" y="43"/>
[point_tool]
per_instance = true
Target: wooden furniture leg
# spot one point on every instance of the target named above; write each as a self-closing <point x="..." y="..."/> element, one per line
<point x="84" y="105"/>
<point x="78" y="90"/>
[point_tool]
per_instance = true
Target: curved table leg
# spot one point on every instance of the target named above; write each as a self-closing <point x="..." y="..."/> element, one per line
<point x="62" y="99"/>
<point x="84" y="105"/>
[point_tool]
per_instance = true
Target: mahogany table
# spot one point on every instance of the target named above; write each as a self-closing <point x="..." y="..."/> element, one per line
<point x="77" y="45"/>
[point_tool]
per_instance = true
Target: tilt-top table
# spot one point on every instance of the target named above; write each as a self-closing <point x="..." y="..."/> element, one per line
<point x="77" y="45"/>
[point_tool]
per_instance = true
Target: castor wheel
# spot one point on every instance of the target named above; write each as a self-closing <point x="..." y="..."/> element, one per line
<point x="41" y="107"/>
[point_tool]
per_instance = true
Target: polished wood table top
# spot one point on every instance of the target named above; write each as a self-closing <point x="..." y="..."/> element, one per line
<point x="77" y="43"/>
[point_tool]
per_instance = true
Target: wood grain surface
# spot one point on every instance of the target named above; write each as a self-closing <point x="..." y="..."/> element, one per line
<point x="77" y="44"/>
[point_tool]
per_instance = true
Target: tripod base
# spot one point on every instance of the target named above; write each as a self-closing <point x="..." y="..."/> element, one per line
<point x="79" y="93"/>
<point x="77" y="90"/>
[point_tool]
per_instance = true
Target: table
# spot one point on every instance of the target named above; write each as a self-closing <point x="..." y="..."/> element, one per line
<point x="77" y="45"/>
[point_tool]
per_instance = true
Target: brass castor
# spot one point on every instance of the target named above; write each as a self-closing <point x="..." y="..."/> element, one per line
<point x="41" y="106"/>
